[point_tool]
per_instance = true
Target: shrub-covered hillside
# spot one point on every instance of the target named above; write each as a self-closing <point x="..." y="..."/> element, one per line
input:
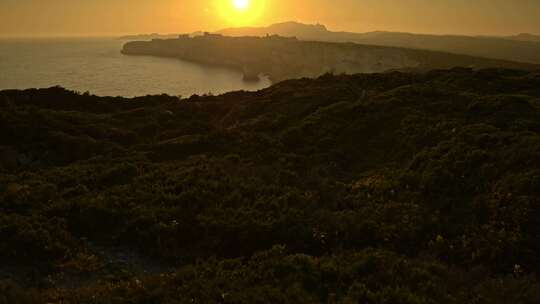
<point x="383" y="188"/>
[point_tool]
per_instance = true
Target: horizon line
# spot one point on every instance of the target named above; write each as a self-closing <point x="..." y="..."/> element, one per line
<point x="120" y="34"/>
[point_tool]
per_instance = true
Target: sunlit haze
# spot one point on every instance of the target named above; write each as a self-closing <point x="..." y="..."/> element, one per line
<point x="111" y="17"/>
<point x="241" y="4"/>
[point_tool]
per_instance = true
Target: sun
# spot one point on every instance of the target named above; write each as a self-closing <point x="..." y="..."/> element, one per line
<point x="236" y="13"/>
<point x="241" y="5"/>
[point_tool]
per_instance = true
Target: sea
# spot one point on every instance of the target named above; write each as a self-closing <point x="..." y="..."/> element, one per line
<point x="95" y="65"/>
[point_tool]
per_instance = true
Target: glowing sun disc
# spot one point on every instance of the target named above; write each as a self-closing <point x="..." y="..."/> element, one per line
<point x="236" y="13"/>
<point x="240" y="4"/>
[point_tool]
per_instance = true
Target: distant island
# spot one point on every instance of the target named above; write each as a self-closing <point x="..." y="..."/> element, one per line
<point x="283" y="58"/>
<point x="148" y="36"/>
<point x="524" y="37"/>
<point x="522" y="47"/>
<point x="157" y="36"/>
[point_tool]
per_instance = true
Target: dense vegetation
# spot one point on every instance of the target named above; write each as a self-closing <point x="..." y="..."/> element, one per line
<point x="383" y="188"/>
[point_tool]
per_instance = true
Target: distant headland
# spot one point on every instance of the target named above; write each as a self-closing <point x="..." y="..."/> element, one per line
<point x="283" y="58"/>
<point x="521" y="47"/>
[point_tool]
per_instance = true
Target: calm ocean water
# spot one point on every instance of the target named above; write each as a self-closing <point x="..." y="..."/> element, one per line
<point x="96" y="65"/>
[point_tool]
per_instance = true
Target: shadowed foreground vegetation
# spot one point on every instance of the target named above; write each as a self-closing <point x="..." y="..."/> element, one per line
<point x="383" y="188"/>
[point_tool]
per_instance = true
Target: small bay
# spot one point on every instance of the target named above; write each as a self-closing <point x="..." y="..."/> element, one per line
<point x="97" y="66"/>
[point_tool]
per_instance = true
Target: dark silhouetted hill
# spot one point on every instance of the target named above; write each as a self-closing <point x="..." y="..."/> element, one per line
<point x="383" y="188"/>
<point x="522" y="48"/>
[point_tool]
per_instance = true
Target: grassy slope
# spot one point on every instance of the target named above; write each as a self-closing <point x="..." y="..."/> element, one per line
<point x="384" y="188"/>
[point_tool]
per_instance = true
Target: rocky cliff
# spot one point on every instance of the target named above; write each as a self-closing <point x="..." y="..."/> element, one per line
<point x="285" y="58"/>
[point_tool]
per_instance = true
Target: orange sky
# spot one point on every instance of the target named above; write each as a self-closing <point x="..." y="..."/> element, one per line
<point x="93" y="17"/>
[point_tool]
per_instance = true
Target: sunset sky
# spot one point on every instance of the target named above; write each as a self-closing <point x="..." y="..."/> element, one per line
<point x="111" y="17"/>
